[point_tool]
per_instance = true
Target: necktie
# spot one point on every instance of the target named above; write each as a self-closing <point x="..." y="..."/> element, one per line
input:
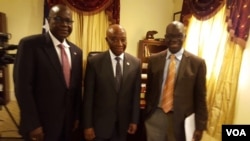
<point x="118" y="73"/>
<point x="65" y="65"/>
<point x="168" y="90"/>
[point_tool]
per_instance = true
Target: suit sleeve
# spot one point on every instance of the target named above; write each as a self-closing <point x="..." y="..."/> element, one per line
<point x="148" y="95"/>
<point x="136" y="99"/>
<point x="201" y="114"/>
<point x="78" y="96"/>
<point x="88" y="96"/>
<point x="23" y="79"/>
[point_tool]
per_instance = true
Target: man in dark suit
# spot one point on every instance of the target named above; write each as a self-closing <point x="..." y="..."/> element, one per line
<point x="189" y="90"/>
<point x="49" y="101"/>
<point x="111" y="110"/>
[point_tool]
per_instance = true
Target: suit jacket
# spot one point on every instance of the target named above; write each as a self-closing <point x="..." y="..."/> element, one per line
<point x="41" y="90"/>
<point x="189" y="90"/>
<point x="103" y="106"/>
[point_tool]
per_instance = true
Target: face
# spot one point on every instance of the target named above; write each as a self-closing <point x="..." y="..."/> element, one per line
<point x="175" y="36"/>
<point x="116" y="39"/>
<point x="60" y="22"/>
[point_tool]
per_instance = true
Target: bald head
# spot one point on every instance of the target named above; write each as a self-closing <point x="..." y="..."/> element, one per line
<point x="115" y="28"/>
<point x="58" y="8"/>
<point x="175" y="25"/>
<point x="116" y="38"/>
<point x="174" y="37"/>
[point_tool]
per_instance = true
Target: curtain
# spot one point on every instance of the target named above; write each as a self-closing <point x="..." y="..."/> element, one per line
<point x="223" y="58"/>
<point x="89" y="32"/>
<point x="92" y="6"/>
<point x="201" y="9"/>
<point x="219" y="38"/>
<point x="238" y="12"/>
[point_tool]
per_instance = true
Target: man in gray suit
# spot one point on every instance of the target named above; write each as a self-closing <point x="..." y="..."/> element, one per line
<point x="49" y="103"/>
<point x="111" y="103"/>
<point x="189" y="91"/>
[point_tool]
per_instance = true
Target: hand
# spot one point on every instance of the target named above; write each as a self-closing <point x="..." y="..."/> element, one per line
<point x="37" y="134"/>
<point x="89" y="134"/>
<point x="132" y="128"/>
<point x="197" y="135"/>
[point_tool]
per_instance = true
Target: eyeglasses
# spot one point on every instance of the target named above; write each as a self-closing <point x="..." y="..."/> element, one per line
<point x="62" y="20"/>
<point x="174" y="36"/>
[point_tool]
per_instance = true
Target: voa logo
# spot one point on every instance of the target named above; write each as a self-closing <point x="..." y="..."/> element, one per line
<point x="236" y="132"/>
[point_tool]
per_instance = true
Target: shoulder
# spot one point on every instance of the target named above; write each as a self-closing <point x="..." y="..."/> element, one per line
<point x="158" y="55"/>
<point x="194" y="59"/>
<point x="33" y="38"/>
<point x="192" y="56"/>
<point x="97" y="56"/>
<point x="74" y="46"/>
<point x="132" y="58"/>
<point x="32" y="41"/>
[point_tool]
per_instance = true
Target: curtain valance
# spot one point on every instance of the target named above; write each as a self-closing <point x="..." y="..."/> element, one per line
<point x="111" y="7"/>
<point x="201" y="9"/>
<point x="91" y="6"/>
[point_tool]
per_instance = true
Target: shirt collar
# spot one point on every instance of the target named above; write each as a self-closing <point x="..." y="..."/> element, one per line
<point x="178" y="54"/>
<point x="112" y="55"/>
<point x="56" y="42"/>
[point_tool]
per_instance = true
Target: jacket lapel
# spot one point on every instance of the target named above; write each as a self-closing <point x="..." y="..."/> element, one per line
<point x="183" y="65"/>
<point x="73" y="54"/>
<point x="161" y="65"/>
<point x="107" y="63"/>
<point x="126" y="69"/>
<point x="53" y="57"/>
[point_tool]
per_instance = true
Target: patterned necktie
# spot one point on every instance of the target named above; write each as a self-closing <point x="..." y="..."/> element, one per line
<point x="118" y="73"/>
<point x="167" y="98"/>
<point x="65" y="65"/>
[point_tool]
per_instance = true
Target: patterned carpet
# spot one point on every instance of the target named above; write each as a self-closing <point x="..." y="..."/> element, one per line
<point x="9" y="120"/>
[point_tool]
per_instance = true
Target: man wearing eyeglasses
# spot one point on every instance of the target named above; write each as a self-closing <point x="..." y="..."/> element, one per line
<point x="176" y="91"/>
<point x="48" y="81"/>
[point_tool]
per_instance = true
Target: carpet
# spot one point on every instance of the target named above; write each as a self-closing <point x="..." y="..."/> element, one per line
<point x="9" y="122"/>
